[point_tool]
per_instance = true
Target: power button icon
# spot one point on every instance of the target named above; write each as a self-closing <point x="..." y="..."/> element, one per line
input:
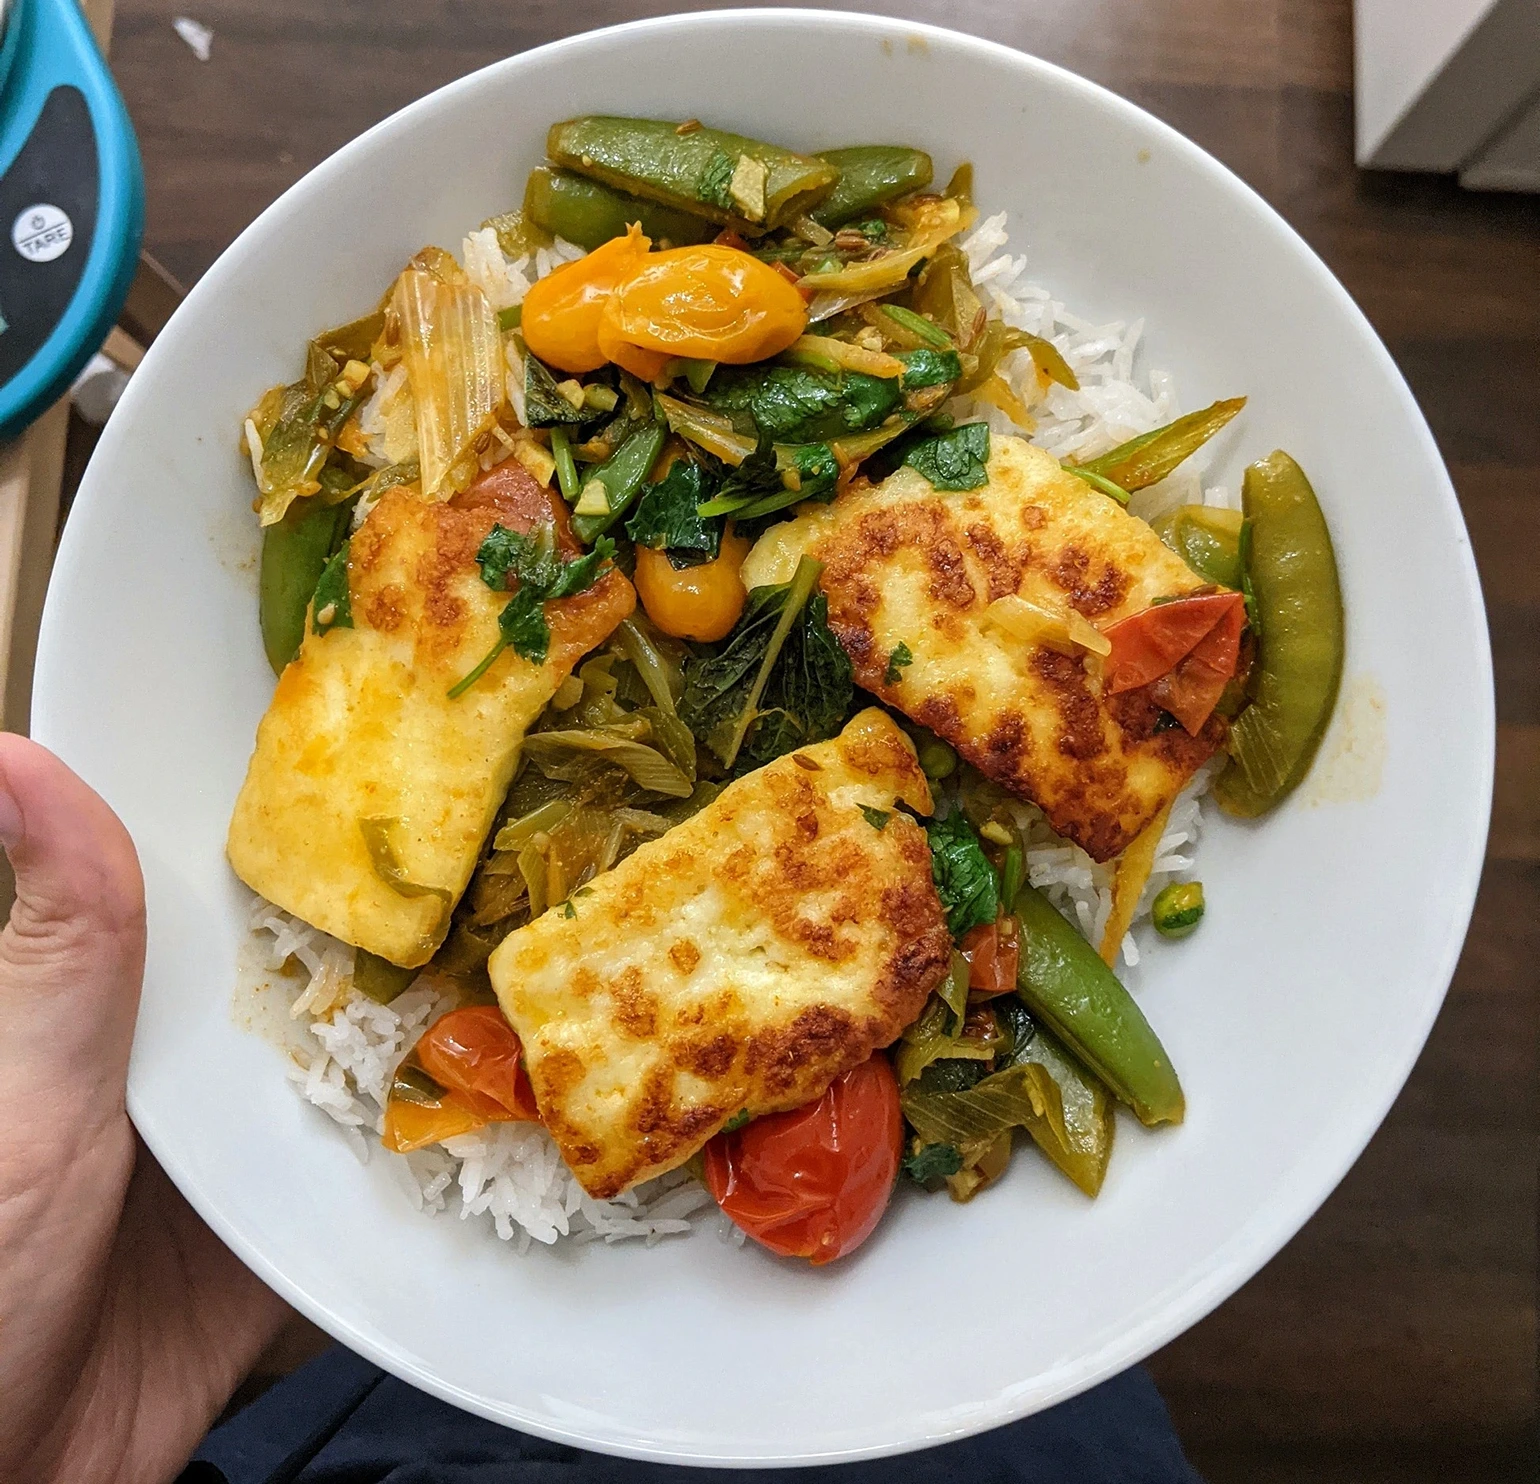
<point x="42" y="233"/>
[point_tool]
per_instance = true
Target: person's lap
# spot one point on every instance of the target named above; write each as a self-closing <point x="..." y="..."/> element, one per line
<point x="340" y="1420"/>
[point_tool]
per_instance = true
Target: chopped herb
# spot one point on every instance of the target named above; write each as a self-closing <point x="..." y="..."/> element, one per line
<point x="965" y="881"/>
<point x="568" y="910"/>
<point x="876" y="818"/>
<point x="332" y="606"/>
<point x="900" y="659"/>
<point x="716" y="180"/>
<point x="932" y="1162"/>
<point x="534" y="563"/>
<point x="954" y="461"/>
<point x="929" y="368"/>
<point x="737" y="1121"/>
<point x="953" y="1074"/>
<point x="666" y="516"/>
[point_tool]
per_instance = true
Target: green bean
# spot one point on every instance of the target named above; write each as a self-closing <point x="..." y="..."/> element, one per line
<point x="707" y="172"/>
<point x="588" y="213"/>
<point x="295" y="551"/>
<point x="1292" y="571"/>
<point x="620" y="478"/>
<point x="1066" y="985"/>
<point x="870" y="176"/>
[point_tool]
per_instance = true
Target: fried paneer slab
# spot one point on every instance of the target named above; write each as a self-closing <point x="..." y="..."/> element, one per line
<point x="737" y="964"/>
<point x="370" y="791"/>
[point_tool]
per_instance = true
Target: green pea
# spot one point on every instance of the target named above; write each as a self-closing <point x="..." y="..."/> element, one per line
<point x="1178" y="909"/>
<point x="937" y="760"/>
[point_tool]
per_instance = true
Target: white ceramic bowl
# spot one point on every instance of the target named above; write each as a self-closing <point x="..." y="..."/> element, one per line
<point x="1293" y="1016"/>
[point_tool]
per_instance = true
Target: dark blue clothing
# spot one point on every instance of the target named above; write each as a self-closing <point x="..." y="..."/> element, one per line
<point x="340" y="1420"/>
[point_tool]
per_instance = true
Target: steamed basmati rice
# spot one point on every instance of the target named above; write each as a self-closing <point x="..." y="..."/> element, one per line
<point x="511" y="1173"/>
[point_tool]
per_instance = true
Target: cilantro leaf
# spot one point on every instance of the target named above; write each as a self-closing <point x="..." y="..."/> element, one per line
<point x="665" y="516"/>
<point x="965" y="881"/>
<point x="534" y="563"/>
<point x="898" y="660"/>
<point x="932" y="1162"/>
<point x="332" y="607"/>
<point x="715" y="179"/>
<point x="955" y="460"/>
<point x="926" y="367"/>
<point x="737" y="1121"/>
<point x="876" y="818"/>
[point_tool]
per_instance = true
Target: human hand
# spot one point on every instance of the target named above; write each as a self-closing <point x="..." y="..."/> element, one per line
<point x="124" y="1323"/>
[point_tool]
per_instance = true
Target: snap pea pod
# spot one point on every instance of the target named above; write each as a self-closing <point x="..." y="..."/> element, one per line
<point x="1207" y="539"/>
<point x="870" y="176"/>
<point x="621" y="478"/>
<point x="295" y="551"/>
<point x="707" y="172"/>
<point x="590" y="214"/>
<point x="1293" y="573"/>
<point x="1068" y="987"/>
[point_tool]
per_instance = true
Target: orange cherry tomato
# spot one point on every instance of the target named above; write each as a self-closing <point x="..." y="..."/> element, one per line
<point x="561" y="312"/>
<point x="709" y="302"/>
<point x="1192" y="690"/>
<point x="1150" y="644"/>
<point x="993" y="950"/>
<point x="814" y="1182"/>
<point x="475" y="1053"/>
<point x="415" y="1125"/>
<point x="646" y="364"/>
<point x="701" y="602"/>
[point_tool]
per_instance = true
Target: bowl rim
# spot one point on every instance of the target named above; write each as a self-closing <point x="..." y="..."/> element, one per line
<point x="1273" y="1223"/>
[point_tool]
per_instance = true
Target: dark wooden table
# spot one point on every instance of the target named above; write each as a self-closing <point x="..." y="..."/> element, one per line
<point x="1394" y="1338"/>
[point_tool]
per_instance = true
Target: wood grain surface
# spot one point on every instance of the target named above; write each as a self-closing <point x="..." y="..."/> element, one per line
<point x="1394" y="1339"/>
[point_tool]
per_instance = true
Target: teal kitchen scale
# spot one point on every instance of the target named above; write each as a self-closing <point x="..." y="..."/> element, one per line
<point x="71" y="204"/>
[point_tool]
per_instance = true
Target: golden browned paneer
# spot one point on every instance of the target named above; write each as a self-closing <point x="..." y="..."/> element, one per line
<point x="742" y="961"/>
<point x="362" y="743"/>
<point x="907" y="564"/>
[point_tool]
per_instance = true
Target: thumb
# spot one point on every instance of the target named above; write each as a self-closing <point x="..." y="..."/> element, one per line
<point x="72" y="954"/>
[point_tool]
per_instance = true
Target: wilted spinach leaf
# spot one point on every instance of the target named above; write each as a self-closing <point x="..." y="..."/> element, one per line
<point x="544" y="406"/>
<point x="796" y="404"/>
<point x="965" y="881"/>
<point x="955" y="460"/>
<point x="665" y="516"/>
<point x="925" y="367"/>
<point x="932" y="1162"/>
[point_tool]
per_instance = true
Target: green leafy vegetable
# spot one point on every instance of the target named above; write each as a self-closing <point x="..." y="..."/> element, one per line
<point x="666" y="516"/>
<point x="898" y="660"/>
<point x="932" y="1162"/>
<point x="928" y="367"/>
<point x="715" y="179"/>
<point x="535" y="564"/>
<point x="545" y="405"/>
<point x="647" y="765"/>
<point x="876" y="818"/>
<point x="956" y="460"/>
<point x="950" y="1074"/>
<point x="737" y="1121"/>
<point x="966" y="882"/>
<point x="332" y="606"/>
<point x="797" y="404"/>
<point x="779" y="680"/>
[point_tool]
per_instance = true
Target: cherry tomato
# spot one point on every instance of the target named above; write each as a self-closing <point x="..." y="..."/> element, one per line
<point x="1192" y="690"/>
<point x="709" y="302"/>
<point x="416" y="1124"/>
<point x="475" y="1052"/>
<point x="561" y="311"/>
<point x="646" y="364"/>
<point x="701" y="602"/>
<point x="993" y="950"/>
<point x="1149" y="644"/>
<point x="814" y="1182"/>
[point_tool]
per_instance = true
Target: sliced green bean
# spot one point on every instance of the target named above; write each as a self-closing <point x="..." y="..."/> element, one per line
<point x="589" y="213"/>
<point x="870" y="176"/>
<point x="621" y="478"/>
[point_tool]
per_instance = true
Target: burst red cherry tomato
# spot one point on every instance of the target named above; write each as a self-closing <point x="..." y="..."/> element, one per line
<point x="814" y="1182"/>
<point x="475" y="1052"/>
<point x="993" y="951"/>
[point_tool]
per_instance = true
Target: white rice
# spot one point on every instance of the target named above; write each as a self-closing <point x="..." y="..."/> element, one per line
<point x="512" y="1173"/>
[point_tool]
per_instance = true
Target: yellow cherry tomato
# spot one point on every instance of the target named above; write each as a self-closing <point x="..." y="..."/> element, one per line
<point x="710" y="303"/>
<point x="646" y="364"/>
<point x="694" y="602"/>
<point x="561" y="311"/>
